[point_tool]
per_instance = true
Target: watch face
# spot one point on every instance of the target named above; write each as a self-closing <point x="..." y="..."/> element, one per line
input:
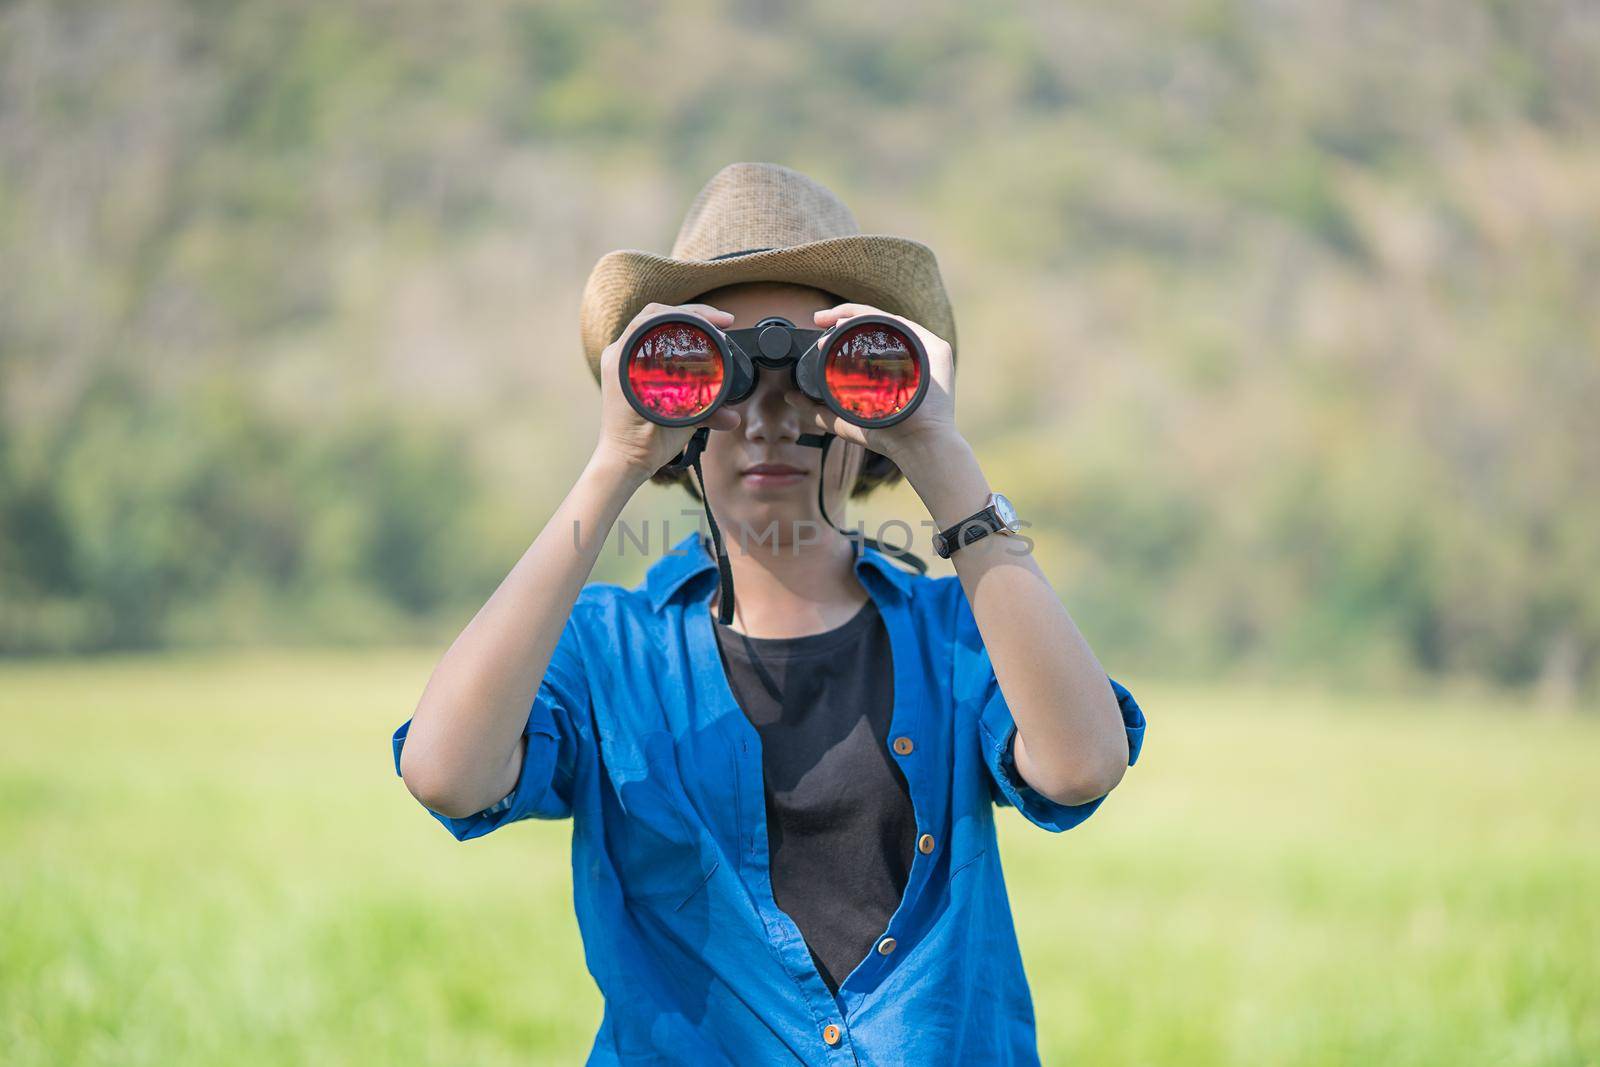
<point x="1005" y="512"/>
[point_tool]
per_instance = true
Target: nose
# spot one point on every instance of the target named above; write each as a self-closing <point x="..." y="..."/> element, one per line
<point x="767" y="416"/>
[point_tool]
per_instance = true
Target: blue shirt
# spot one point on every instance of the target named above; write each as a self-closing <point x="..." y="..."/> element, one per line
<point x="635" y="734"/>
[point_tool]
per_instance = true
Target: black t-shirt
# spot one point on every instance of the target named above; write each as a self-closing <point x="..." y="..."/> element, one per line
<point x="840" y="823"/>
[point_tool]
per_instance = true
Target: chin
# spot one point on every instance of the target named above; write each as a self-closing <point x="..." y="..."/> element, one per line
<point x="757" y="510"/>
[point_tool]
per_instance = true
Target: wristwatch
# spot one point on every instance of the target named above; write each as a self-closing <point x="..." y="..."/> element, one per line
<point x="997" y="516"/>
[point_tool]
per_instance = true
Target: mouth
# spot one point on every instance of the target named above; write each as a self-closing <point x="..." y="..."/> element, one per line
<point x="772" y="474"/>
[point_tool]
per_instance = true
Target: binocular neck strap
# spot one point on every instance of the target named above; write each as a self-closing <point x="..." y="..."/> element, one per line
<point x="690" y="458"/>
<point x="822" y="441"/>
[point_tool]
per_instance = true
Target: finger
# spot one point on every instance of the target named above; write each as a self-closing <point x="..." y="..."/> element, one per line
<point x="715" y="316"/>
<point x="812" y="414"/>
<point x="828" y="316"/>
<point x="724" y="418"/>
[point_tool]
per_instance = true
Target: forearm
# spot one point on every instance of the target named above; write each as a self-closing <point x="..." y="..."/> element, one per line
<point x="464" y="748"/>
<point x="1071" y="745"/>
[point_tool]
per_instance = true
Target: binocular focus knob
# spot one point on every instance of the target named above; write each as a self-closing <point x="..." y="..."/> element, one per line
<point x="774" y="341"/>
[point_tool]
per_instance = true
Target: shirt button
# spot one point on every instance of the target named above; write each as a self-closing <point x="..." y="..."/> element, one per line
<point x="925" y="844"/>
<point x="830" y="1034"/>
<point x="886" y="946"/>
<point x="903" y="746"/>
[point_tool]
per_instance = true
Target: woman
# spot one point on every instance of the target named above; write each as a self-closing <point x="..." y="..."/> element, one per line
<point x="783" y="840"/>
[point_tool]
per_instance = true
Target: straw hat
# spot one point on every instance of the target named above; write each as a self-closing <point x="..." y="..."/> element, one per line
<point x="759" y="222"/>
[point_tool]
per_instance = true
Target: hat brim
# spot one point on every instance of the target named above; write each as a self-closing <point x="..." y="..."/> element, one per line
<point x="895" y="274"/>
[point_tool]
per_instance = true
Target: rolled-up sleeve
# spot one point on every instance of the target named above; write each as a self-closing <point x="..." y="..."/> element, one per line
<point x="998" y="733"/>
<point x="553" y="735"/>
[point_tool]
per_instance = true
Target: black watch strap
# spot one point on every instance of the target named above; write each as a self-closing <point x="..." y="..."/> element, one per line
<point x="974" y="527"/>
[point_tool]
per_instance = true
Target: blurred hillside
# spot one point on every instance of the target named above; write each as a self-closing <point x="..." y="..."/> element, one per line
<point x="1278" y="319"/>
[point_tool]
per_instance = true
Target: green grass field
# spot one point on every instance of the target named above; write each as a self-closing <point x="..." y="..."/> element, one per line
<point x="209" y="861"/>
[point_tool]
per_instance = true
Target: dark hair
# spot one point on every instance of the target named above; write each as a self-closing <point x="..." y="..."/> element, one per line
<point x="876" y="469"/>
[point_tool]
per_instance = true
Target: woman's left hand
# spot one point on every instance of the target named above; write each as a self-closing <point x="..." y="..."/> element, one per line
<point x="925" y="429"/>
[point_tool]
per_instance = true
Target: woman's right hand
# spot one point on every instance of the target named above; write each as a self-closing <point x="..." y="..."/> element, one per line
<point x="630" y="438"/>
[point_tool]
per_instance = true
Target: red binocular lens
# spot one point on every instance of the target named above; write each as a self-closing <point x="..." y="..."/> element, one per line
<point x="677" y="368"/>
<point x="872" y="372"/>
<point x="675" y="371"/>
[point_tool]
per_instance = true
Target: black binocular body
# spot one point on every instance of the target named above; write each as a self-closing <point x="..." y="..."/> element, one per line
<point x="677" y="368"/>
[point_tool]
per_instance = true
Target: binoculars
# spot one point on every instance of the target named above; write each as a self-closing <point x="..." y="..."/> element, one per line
<point x="677" y="368"/>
